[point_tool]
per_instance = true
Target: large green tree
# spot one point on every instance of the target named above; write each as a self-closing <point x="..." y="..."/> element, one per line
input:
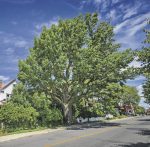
<point x="75" y="59"/>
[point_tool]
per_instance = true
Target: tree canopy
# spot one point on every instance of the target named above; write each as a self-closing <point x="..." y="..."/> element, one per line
<point x="144" y="57"/>
<point x="78" y="58"/>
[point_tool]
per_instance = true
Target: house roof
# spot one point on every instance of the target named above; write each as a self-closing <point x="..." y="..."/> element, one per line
<point x="8" y="84"/>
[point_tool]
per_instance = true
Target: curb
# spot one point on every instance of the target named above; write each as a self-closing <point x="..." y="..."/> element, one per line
<point x="120" y="119"/>
<point x="27" y="134"/>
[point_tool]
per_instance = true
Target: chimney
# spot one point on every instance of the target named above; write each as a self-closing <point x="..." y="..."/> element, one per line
<point x="1" y="84"/>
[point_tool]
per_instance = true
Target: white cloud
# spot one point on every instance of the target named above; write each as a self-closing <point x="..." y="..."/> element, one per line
<point x="127" y="31"/>
<point x="135" y="64"/>
<point x="98" y="1"/>
<point x="21" y="43"/>
<point x="113" y="15"/>
<point x="136" y="28"/>
<point x="12" y="68"/>
<point x="54" y="20"/>
<point x="130" y="11"/>
<point x="120" y="26"/>
<point x="115" y="1"/>
<point x="140" y="78"/>
<point x="135" y="23"/>
<point x="9" y="51"/>
<point x="127" y="41"/>
<point x="39" y="26"/>
<point x="143" y="104"/>
<point x="13" y="40"/>
<point x="136" y="81"/>
<point x="4" y="78"/>
<point x="14" y="22"/>
<point x="100" y="5"/>
<point x="140" y="90"/>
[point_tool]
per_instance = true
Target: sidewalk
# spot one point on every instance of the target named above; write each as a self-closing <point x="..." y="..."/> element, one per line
<point x="120" y="119"/>
<point x="16" y="136"/>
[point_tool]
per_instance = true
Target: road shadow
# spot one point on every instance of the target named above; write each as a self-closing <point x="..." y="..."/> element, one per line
<point x="143" y="119"/>
<point x="141" y="131"/>
<point x="139" y="144"/>
<point x="144" y="132"/>
<point x="93" y="125"/>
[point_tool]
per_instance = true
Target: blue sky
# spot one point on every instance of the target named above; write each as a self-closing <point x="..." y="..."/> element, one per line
<point x="21" y="20"/>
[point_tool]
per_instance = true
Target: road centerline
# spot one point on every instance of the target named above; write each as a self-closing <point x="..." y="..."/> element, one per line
<point x="80" y="137"/>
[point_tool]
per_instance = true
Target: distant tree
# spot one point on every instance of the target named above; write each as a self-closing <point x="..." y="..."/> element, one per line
<point x="130" y="96"/>
<point x="115" y="95"/>
<point x="73" y="60"/>
<point x="139" y="110"/>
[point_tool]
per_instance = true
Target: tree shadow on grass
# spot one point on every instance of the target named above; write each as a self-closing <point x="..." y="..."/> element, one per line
<point x="139" y="144"/>
<point x="93" y="125"/>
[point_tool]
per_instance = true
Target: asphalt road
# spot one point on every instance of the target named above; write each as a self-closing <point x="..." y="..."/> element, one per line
<point x="133" y="132"/>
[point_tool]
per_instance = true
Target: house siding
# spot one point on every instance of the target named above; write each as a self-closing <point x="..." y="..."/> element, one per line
<point x="5" y="93"/>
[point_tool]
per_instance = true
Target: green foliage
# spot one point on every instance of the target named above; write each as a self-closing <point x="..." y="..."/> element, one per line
<point x="48" y="115"/>
<point x="116" y="95"/>
<point x="144" y="57"/>
<point x="74" y="69"/>
<point x="75" y="59"/>
<point x="17" y="116"/>
<point x="110" y="97"/>
<point x="146" y="88"/>
<point x="139" y="110"/>
<point x="21" y="96"/>
<point x="130" y="95"/>
<point x="88" y="108"/>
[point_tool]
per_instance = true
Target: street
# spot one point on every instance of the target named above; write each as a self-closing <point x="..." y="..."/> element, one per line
<point x="132" y="132"/>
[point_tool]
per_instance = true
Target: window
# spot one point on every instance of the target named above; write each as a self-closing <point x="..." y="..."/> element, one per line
<point x="4" y="100"/>
<point x="7" y="95"/>
<point x="2" y="91"/>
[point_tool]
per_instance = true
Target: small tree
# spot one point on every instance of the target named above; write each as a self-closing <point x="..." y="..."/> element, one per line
<point x="17" y="116"/>
<point x="139" y="110"/>
<point x="48" y="114"/>
<point x="130" y="95"/>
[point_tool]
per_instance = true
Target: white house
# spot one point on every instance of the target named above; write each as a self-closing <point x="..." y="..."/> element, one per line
<point x="6" y="90"/>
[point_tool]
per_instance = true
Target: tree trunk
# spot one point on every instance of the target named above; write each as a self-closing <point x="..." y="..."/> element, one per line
<point x="67" y="111"/>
